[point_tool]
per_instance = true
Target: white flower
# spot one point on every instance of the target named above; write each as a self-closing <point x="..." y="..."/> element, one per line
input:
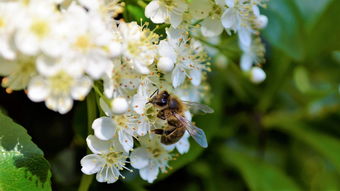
<point x="59" y="88"/>
<point x="252" y="54"/>
<point x="149" y="158"/>
<point x="257" y="75"/>
<point x="160" y="11"/>
<point x="92" y="44"/>
<point x="238" y="17"/>
<point x="123" y="127"/>
<point x="39" y="29"/>
<point x="18" y="72"/>
<point x="107" y="160"/>
<point x="8" y="24"/>
<point x="188" y="57"/>
<point x="211" y="13"/>
<point x="138" y="46"/>
<point x="261" y="20"/>
<point x="120" y="79"/>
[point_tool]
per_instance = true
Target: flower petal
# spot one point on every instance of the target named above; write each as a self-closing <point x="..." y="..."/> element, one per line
<point x="211" y="27"/>
<point x="155" y="12"/>
<point x="125" y="140"/>
<point x="183" y="145"/>
<point x="139" y="158"/>
<point x="149" y="173"/>
<point x="81" y="88"/>
<point x="91" y="164"/>
<point x="37" y="89"/>
<point x="107" y="174"/>
<point x="104" y="128"/>
<point x="98" y="146"/>
<point x="177" y="77"/>
<point x="195" y="77"/>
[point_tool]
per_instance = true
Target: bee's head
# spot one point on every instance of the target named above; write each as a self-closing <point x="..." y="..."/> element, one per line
<point x="160" y="99"/>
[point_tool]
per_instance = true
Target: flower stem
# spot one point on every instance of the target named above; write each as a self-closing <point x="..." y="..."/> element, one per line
<point x="107" y="100"/>
<point x="86" y="180"/>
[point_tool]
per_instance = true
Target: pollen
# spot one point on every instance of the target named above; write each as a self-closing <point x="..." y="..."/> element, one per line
<point x="83" y="42"/>
<point x="2" y="22"/>
<point x="40" y="28"/>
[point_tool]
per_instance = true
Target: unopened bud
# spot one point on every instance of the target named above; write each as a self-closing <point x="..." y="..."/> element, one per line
<point x="257" y="75"/>
<point x="119" y="105"/>
<point x="165" y="64"/>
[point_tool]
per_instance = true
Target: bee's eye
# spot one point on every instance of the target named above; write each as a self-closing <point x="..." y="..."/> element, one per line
<point x="164" y="100"/>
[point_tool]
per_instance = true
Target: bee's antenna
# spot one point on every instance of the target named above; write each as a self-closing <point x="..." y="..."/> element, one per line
<point x="157" y="91"/>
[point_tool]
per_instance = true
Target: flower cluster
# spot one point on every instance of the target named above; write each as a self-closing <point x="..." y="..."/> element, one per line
<point x="214" y="16"/>
<point x="57" y="51"/>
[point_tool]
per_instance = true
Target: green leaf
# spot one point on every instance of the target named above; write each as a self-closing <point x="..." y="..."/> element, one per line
<point x="301" y="79"/>
<point x="258" y="175"/>
<point x="284" y="29"/>
<point x="22" y="165"/>
<point x="324" y="144"/>
<point x="311" y="11"/>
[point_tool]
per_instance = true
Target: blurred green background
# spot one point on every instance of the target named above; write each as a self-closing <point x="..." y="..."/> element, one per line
<point x="280" y="135"/>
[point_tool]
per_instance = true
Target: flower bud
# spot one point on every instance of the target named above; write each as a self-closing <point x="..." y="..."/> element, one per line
<point x="119" y="105"/>
<point x="165" y="64"/>
<point x="262" y="21"/>
<point x="257" y="75"/>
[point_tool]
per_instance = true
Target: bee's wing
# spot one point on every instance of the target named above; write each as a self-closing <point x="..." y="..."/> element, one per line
<point x="198" y="108"/>
<point x="197" y="134"/>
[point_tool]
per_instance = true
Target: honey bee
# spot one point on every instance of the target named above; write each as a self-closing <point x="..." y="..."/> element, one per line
<point x="172" y="110"/>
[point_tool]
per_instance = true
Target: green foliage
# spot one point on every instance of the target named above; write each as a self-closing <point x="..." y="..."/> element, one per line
<point x="258" y="174"/>
<point x="22" y="165"/>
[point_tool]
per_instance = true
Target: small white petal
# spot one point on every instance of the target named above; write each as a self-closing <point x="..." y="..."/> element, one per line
<point x="211" y="27"/>
<point x="106" y="109"/>
<point x="26" y="43"/>
<point x="139" y="158"/>
<point x="81" y="88"/>
<point x="125" y="140"/>
<point x="230" y="19"/>
<point x="104" y="128"/>
<point x="107" y="174"/>
<point x="177" y="77"/>
<point x="244" y="36"/>
<point x="64" y="104"/>
<point x="175" y="19"/>
<point x="166" y="50"/>
<point x="91" y="164"/>
<point x="183" y="144"/>
<point x="230" y="3"/>
<point x="38" y="89"/>
<point x="149" y="173"/>
<point x="246" y="62"/>
<point x="195" y="77"/>
<point x="138" y="103"/>
<point x="98" y="146"/>
<point x="155" y="12"/>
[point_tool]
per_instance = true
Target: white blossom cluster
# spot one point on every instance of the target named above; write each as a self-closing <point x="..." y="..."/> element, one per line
<point x="214" y="16"/>
<point x="57" y="51"/>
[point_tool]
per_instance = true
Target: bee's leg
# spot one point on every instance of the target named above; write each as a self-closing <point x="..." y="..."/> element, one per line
<point x="158" y="131"/>
<point x="161" y="114"/>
